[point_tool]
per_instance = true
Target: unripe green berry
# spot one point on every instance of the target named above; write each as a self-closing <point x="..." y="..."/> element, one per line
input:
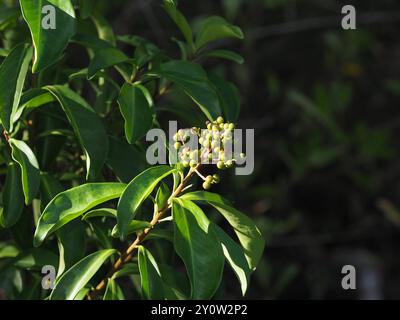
<point x="177" y="145"/>
<point x="209" y="126"/>
<point x="220" y="120"/>
<point x="226" y="126"/>
<point x="181" y="132"/>
<point x="201" y="140"/>
<point x="242" y="155"/>
<point x="216" y="178"/>
<point x="221" y="125"/>
<point x="215" y="127"/>
<point x="222" y="156"/>
<point x="209" y="179"/>
<point x="206" y="185"/>
<point x="220" y="165"/>
<point x="231" y="126"/>
<point x="176" y="138"/>
<point x="229" y="163"/>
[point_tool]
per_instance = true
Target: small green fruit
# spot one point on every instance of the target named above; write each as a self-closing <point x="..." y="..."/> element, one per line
<point x="206" y="185"/>
<point x="220" y="120"/>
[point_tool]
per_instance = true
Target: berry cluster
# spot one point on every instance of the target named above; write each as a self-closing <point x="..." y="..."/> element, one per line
<point x="212" y="145"/>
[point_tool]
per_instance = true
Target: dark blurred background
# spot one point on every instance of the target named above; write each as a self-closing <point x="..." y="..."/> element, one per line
<point x="324" y="103"/>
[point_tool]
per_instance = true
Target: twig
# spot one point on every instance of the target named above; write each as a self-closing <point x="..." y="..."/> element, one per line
<point x="128" y="254"/>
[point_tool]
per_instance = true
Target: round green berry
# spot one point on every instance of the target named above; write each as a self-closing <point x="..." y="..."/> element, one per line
<point x="231" y="126"/>
<point x="185" y="163"/>
<point x="216" y="178"/>
<point x="177" y="145"/>
<point x="220" y="120"/>
<point x="229" y="163"/>
<point x="220" y="165"/>
<point x="209" y="179"/>
<point x="206" y="185"/>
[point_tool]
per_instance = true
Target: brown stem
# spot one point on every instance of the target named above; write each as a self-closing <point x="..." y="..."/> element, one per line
<point x="127" y="255"/>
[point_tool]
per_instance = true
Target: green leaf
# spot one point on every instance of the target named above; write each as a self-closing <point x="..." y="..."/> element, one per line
<point x="72" y="281"/>
<point x="104" y="29"/>
<point x="235" y="256"/>
<point x="198" y="247"/>
<point x="136" y="192"/>
<point x="134" y="226"/>
<point x="32" y="99"/>
<point x="136" y="111"/>
<point x="247" y="232"/>
<point x="72" y="203"/>
<point x="71" y="245"/>
<point x="216" y="28"/>
<point x="104" y="59"/>
<point x="49" y="188"/>
<point x="180" y="21"/>
<point x="127" y="270"/>
<point x="150" y="277"/>
<point x="87" y="126"/>
<point x="35" y="259"/>
<point x="162" y="196"/>
<point x="125" y="159"/>
<point x="30" y="176"/>
<point x="103" y="212"/>
<point x="225" y="54"/>
<point x="229" y="97"/>
<point x="113" y="291"/>
<point x="49" y="44"/>
<point x="13" y="197"/>
<point x="13" y="72"/>
<point x="193" y="80"/>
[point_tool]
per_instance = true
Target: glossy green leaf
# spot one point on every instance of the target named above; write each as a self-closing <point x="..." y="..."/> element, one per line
<point x="216" y="28"/>
<point x="134" y="226"/>
<point x="32" y="99"/>
<point x="72" y="203"/>
<point x="126" y="160"/>
<point x="87" y="126"/>
<point x="162" y="196"/>
<point x="30" y="174"/>
<point x="235" y="256"/>
<point x="104" y="29"/>
<point x="193" y="80"/>
<point x="13" y="72"/>
<point x="150" y="277"/>
<point x="103" y="212"/>
<point x="113" y="291"/>
<point x="199" y="248"/>
<point x="49" y="43"/>
<point x="49" y="188"/>
<point x="136" y="111"/>
<point x="127" y="270"/>
<point x="180" y="20"/>
<point x="71" y="245"/>
<point x="136" y="192"/>
<point x="104" y="59"/>
<point x="247" y="232"/>
<point x="35" y="259"/>
<point x="73" y="280"/>
<point x="13" y="197"/>
<point x="225" y="54"/>
<point x="229" y="97"/>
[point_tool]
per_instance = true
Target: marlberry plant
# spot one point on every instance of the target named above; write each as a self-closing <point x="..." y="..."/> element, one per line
<point x="84" y="215"/>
